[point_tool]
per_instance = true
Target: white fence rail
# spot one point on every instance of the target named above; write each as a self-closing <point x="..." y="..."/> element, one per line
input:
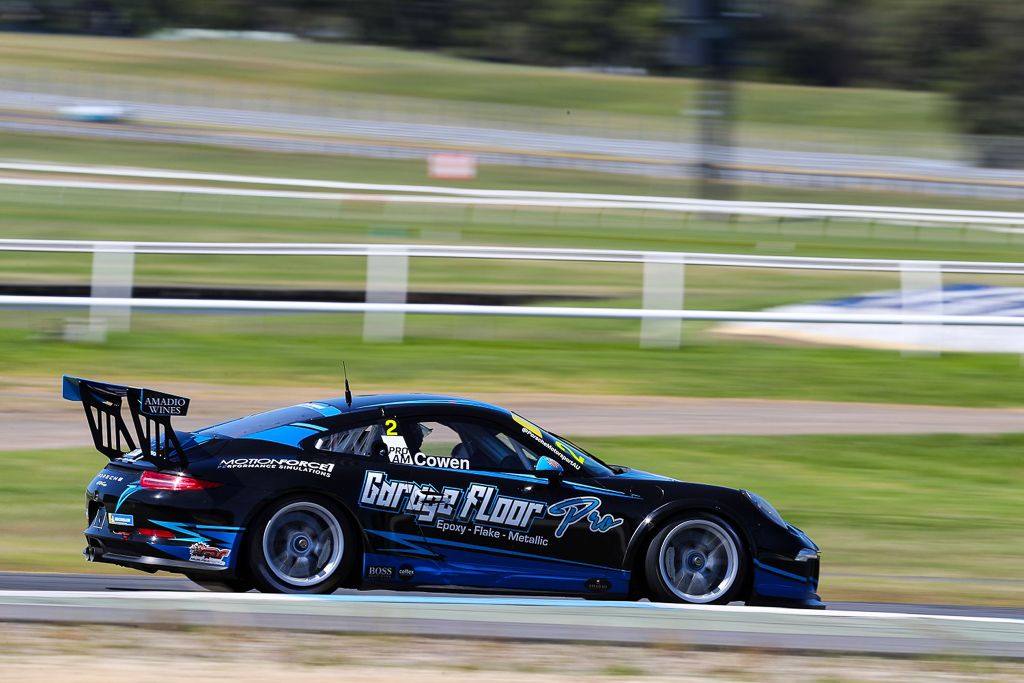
<point x="219" y="184"/>
<point x="387" y="282"/>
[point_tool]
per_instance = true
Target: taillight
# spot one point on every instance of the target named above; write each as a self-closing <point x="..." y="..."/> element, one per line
<point x="174" y="482"/>
<point x="156" y="533"/>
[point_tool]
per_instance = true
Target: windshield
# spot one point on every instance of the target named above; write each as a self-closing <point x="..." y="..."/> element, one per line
<point x="571" y="457"/>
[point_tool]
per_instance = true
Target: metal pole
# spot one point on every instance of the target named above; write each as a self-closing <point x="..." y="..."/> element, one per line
<point x="113" y="272"/>
<point x="921" y="293"/>
<point x="663" y="290"/>
<point x="387" y="282"/>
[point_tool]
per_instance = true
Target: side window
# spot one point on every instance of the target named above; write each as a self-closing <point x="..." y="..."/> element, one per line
<point x="457" y="445"/>
<point x="364" y="441"/>
<point x="425" y="443"/>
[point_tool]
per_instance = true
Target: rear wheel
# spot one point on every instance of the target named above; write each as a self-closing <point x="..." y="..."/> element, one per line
<point x="696" y="559"/>
<point x="301" y="545"/>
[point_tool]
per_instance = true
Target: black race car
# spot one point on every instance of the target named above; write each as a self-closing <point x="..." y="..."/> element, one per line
<point x="417" y="491"/>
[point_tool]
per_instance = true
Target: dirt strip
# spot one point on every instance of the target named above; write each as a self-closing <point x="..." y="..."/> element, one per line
<point x="33" y="416"/>
<point x="34" y="653"/>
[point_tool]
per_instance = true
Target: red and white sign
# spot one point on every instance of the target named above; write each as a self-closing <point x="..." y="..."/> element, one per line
<point x="451" y="166"/>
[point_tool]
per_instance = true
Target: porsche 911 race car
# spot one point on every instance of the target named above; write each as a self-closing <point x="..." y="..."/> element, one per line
<point x="417" y="491"/>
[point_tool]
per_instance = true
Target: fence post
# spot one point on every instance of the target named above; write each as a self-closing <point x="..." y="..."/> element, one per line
<point x="921" y="293"/>
<point x="387" y="282"/>
<point x="113" y="273"/>
<point x="663" y="289"/>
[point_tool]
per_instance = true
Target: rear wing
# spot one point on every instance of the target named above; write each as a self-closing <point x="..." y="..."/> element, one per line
<point x="151" y="412"/>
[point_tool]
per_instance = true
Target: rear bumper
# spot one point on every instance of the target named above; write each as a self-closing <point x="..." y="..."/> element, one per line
<point x="97" y="552"/>
<point x="126" y="538"/>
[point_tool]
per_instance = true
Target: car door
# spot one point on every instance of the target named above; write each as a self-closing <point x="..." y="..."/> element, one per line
<point x="387" y="497"/>
<point x="487" y="519"/>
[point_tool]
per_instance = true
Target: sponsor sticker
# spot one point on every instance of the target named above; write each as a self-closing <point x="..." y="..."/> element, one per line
<point x="208" y="554"/>
<point x="156" y="403"/>
<point x="115" y="519"/>
<point x="480" y="509"/>
<point x="398" y="453"/>
<point x="598" y="585"/>
<point x="373" y="572"/>
<point x="406" y="572"/>
<point x="322" y="469"/>
<point x="562" y="451"/>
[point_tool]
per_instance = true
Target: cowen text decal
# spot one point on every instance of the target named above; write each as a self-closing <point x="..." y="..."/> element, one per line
<point x="398" y="453"/>
<point x="478" y="504"/>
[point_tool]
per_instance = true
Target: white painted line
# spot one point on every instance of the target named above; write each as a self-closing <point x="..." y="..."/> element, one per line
<point x="66" y="597"/>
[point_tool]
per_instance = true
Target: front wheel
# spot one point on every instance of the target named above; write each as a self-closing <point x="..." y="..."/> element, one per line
<point x="696" y="559"/>
<point x="301" y="546"/>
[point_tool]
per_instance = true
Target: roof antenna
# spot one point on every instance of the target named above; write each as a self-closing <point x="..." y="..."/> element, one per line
<point x="348" y="391"/>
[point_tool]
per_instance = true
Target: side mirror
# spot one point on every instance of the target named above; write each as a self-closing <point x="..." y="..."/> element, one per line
<point x="550" y="470"/>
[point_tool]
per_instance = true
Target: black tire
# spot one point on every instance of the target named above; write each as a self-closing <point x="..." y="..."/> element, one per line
<point x="696" y="559"/>
<point x="221" y="585"/>
<point x="301" y="544"/>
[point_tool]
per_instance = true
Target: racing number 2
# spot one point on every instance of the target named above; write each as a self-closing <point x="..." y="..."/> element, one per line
<point x="392" y="428"/>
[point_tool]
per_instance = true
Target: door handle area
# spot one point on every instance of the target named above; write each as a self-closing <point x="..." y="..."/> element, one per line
<point x="430" y="496"/>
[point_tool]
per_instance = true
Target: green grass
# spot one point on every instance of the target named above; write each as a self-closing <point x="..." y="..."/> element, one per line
<point x="47" y="213"/>
<point x="383" y="71"/>
<point x="389" y="171"/>
<point x="484" y="356"/>
<point x="935" y="506"/>
<point x="377" y="82"/>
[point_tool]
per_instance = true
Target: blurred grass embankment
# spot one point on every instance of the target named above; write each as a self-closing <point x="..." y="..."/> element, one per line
<point x="884" y="509"/>
<point x="431" y="83"/>
<point x="461" y="356"/>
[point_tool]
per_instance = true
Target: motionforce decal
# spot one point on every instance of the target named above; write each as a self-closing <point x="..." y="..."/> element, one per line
<point x="480" y="509"/>
<point x="323" y="469"/>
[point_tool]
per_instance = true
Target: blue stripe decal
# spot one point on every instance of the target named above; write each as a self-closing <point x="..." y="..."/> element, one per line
<point x="286" y="435"/>
<point x="781" y="572"/>
<point x="403" y="538"/>
<point x="129" y="490"/>
<point x="317" y="428"/>
<point x="533" y="479"/>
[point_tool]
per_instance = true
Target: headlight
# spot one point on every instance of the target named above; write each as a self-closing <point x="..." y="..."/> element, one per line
<point x="765" y="507"/>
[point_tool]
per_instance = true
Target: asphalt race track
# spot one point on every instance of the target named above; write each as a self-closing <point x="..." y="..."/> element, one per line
<point x="845" y="627"/>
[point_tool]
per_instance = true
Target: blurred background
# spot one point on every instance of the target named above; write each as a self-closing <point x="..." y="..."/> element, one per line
<point x="764" y="133"/>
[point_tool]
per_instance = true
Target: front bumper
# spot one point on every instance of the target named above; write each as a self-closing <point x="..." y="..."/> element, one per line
<point x="788" y="576"/>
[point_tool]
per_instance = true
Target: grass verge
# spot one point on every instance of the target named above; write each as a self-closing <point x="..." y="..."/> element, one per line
<point x="486" y="355"/>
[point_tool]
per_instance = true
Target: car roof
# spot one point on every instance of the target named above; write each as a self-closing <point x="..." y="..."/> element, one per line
<point x="360" y="403"/>
<point x="262" y="425"/>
